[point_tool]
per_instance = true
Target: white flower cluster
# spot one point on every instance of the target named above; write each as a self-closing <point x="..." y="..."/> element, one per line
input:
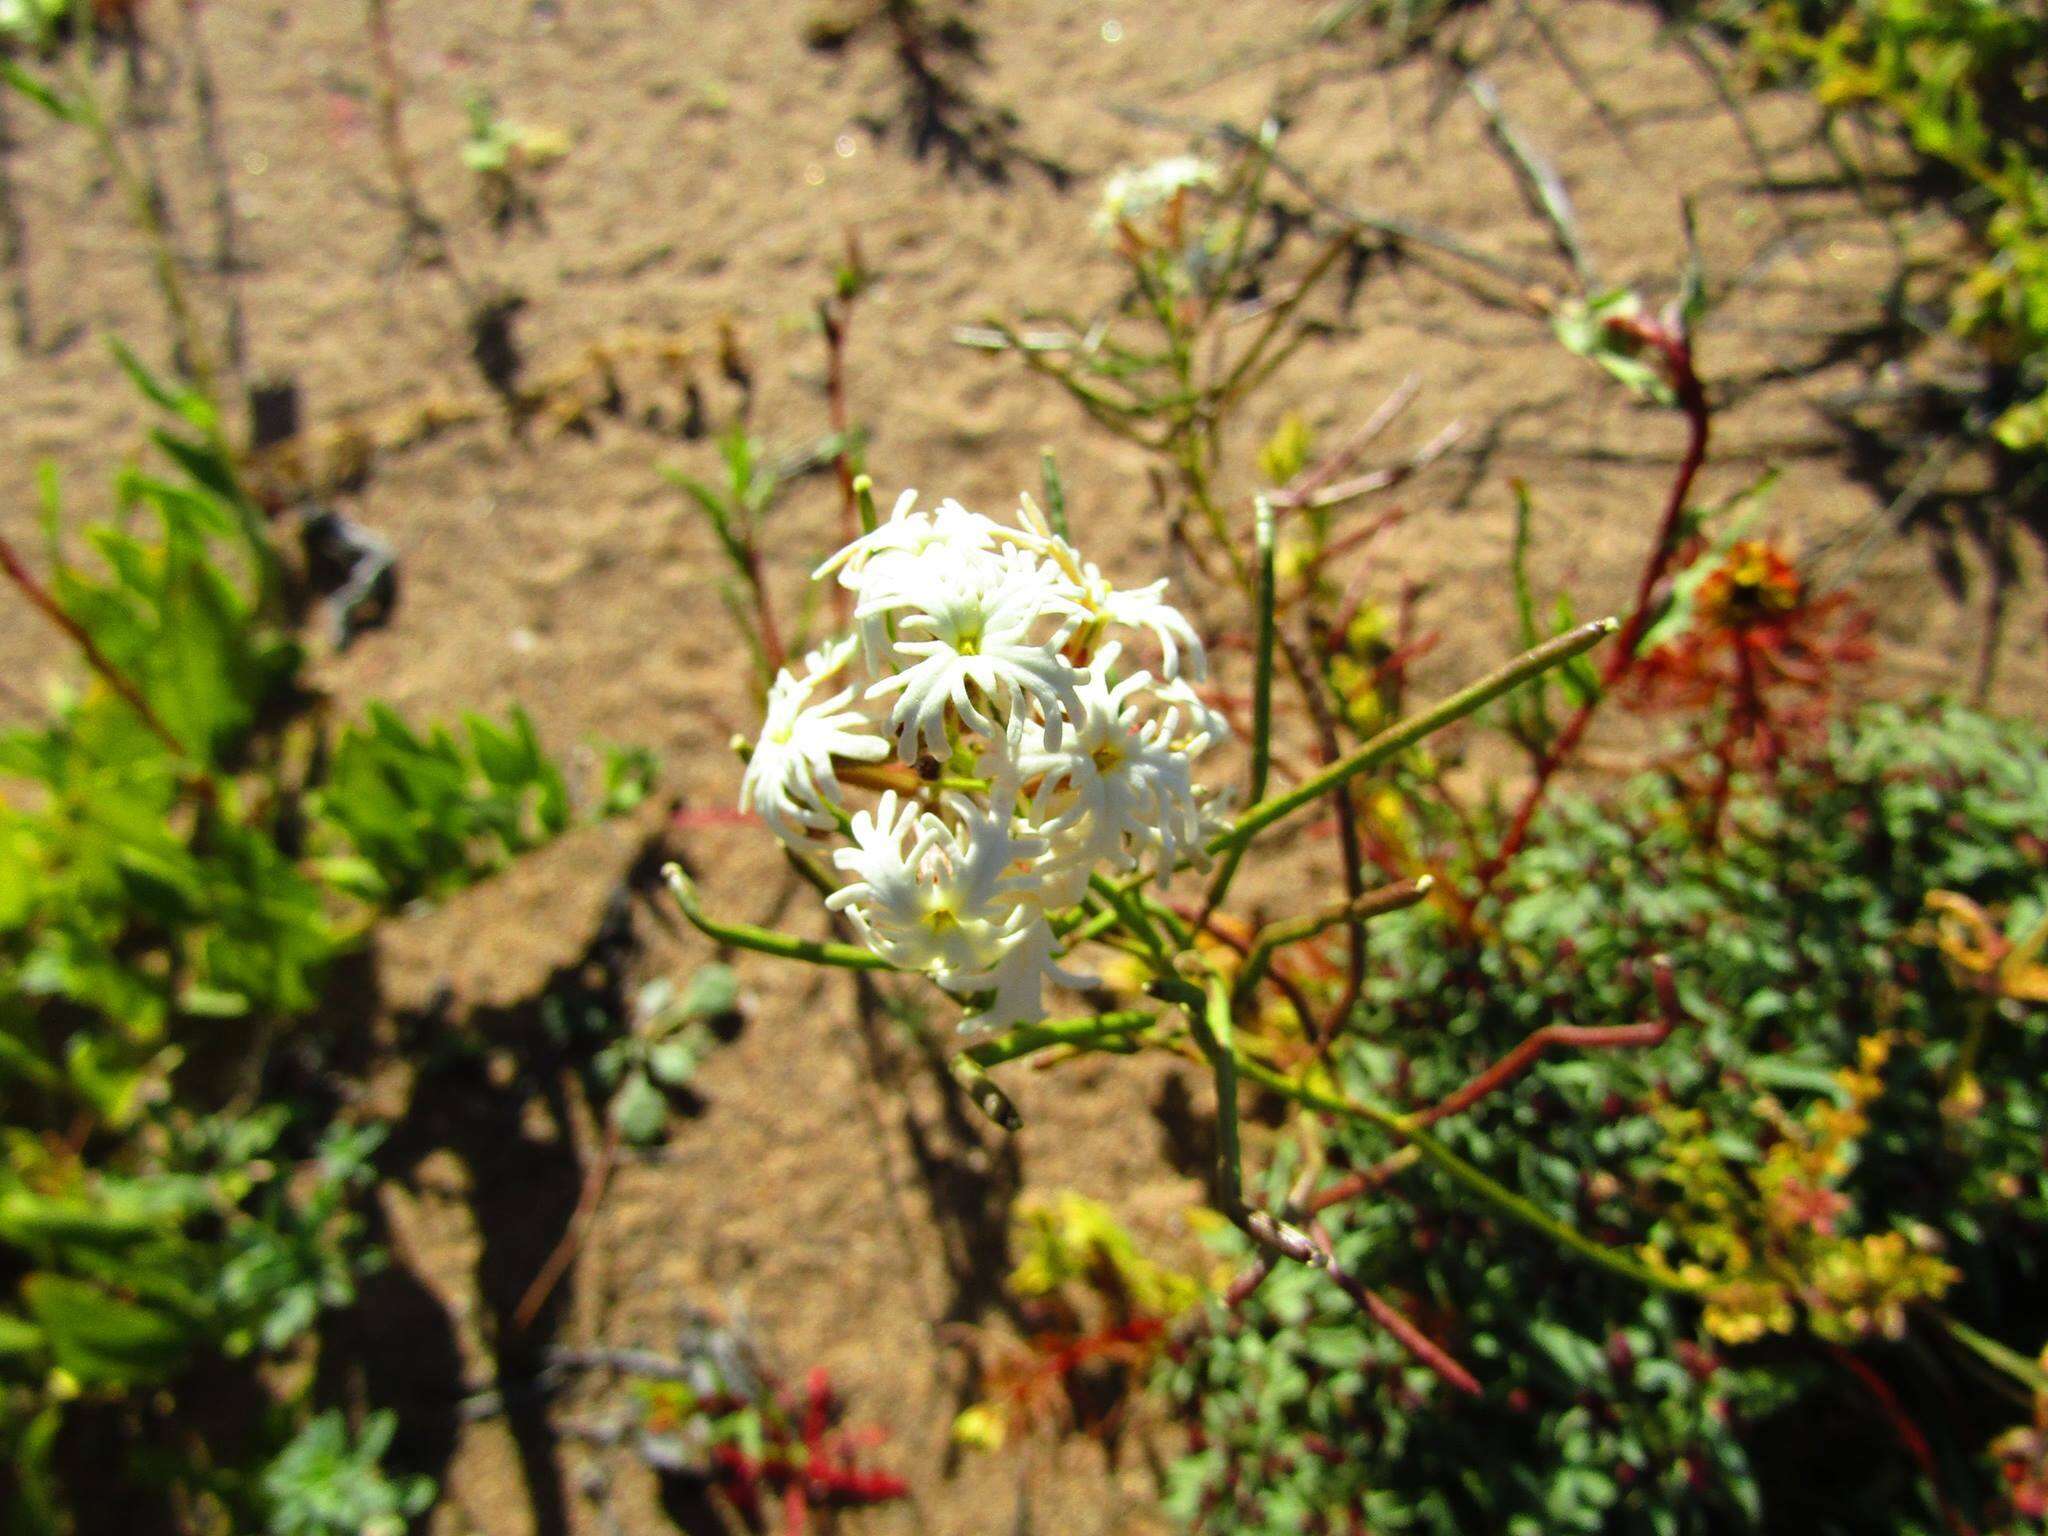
<point x="1137" y="192"/>
<point x="993" y="665"/>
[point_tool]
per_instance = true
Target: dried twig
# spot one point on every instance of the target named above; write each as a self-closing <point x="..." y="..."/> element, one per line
<point x="1400" y="230"/>
<point x="1542" y="187"/>
<point x="226" y="263"/>
<point x="423" y="236"/>
<point x="14" y="237"/>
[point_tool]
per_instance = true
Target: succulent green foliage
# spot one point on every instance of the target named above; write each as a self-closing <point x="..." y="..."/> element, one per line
<point x="424" y="813"/>
<point x="666" y="1040"/>
<point x="329" y="1482"/>
<point x="1801" y="931"/>
<point x="183" y="860"/>
<point x="1967" y="84"/>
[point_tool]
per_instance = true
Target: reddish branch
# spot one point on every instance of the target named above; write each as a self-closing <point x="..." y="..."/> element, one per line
<point x="595" y="1181"/>
<point x="1585" y="1037"/>
<point x="1676" y="352"/>
<point x="1523" y="1057"/>
<point x="1362" y="1181"/>
<point x="1910" y="1435"/>
<point x="1249" y="1280"/>
<point x="1426" y="1350"/>
<point x="42" y="600"/>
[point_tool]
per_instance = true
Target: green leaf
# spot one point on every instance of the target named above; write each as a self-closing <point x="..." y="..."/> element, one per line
<point x="674" y="1062"/>
<point x="100" y="1338"/>
<point x="42" y="95"/>
<point x="713" y="991"/>
<point x="639" y="1110"/>
<point x="187" y="404"/>
<point x="19" y="1339"/>
<point x="42" y="1223"/>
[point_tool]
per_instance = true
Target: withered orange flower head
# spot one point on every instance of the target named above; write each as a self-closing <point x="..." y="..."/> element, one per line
<point x="1755" y="584"/>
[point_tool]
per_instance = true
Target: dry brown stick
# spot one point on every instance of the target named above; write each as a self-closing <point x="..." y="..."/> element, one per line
<point x="1394" y="474"/>
<point x="14" y="238"/>
<point x="1331" y="465"/>
<point x="1542" y="188"/>
<point x="226" y="263"/>
<point x="596" y="1179"/>
<point x="1400" y="230"/>
<point x="422" y="231"/>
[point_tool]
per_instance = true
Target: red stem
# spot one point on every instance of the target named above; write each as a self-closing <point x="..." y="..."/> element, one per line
<point x="1524" y="1056"/>
<point x="1621" y="656"/>
<point x="41" y="599"/>
<point x="1909" y="1433"/>
<point x="1362" y="1182"/>
<point x="1426" y="1350"/>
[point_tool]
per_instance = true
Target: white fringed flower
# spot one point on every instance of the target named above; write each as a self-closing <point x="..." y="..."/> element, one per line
<point x="1136" y="192"/>
<point x="1118" y="782"/>
<point x="993" y="659"/>
<point x="929" y="895"/>
<point x="790" y="783"/>
<point x="1132" y="608"/>
<point x="986" y="641"/>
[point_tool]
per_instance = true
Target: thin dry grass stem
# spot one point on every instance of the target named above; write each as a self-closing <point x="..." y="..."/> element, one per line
<point x="1541" y="185"/>
<point x="596" y="1180"/>
<point x="423" y="238"/>
<point x="1399" y="230"/>
<point x="149" y="211"/>
<point x="1390" y="476"/>
<point x="1341" y="459"/>
<point x="213" y="156"/>
<point x="14" y="237"/>
<point x="1568" y="63"/>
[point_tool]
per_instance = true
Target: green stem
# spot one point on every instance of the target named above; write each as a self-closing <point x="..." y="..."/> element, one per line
<point x="1055" y="492"/>
<point x="1211" y="1026"/>
<point x="1277" y="936"/>
<point x="1504" y="1200"/>
<point x="1209" y="1021"/>
<point x="986" y="1093"/>
<point x="786" y="946"/>
<point x="1130" y="911"/>
<point x="1026" y="1039"/>
<point x="1398" y="738"/>
<point x="1277" y="317"/>
<point x="1993" y="1353"/>
<point x="143" y="208"/>
<point x="1262" y="701"/>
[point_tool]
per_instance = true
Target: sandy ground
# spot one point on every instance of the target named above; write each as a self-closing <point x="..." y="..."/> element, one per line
<point x="825" y="1192"/>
